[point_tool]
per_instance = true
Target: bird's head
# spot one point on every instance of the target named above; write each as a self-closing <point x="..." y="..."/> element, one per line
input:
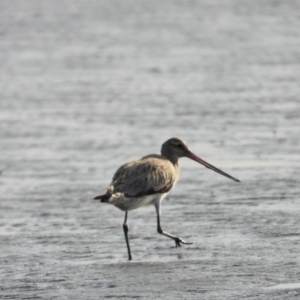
<point x="175" y="148"/>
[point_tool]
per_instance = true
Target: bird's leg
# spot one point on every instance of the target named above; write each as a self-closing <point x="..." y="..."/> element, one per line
<point x="178" y="241"/>
<point x="125" y="228"/>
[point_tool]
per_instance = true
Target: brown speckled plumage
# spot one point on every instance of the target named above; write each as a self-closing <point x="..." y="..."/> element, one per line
<point x="146" y="176"/>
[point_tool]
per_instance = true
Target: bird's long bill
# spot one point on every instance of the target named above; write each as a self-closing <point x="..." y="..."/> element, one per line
<point x="209" y="166"/>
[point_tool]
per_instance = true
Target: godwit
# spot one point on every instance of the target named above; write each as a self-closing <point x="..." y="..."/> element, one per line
<point x="148" y="180"/>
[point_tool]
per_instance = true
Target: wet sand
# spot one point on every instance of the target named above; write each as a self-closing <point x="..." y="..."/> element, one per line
<point x="87" y="86"/>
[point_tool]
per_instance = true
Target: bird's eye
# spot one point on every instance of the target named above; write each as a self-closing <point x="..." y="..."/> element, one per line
<point x="179" y="145"/>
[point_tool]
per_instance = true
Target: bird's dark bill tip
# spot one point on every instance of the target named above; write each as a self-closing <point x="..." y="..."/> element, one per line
<point x="233" y="178"/>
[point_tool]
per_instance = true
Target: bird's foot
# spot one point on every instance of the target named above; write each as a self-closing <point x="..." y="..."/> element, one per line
<point x="179" y="241"/>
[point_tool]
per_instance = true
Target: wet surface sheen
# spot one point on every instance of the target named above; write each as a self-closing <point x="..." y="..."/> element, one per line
<point x="87" y="86"/>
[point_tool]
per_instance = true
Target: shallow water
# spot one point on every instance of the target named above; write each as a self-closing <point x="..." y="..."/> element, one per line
<point x="88" y="86"/>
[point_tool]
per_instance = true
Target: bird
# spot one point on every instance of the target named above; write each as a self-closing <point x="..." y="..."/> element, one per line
<point x="147" y="181"/>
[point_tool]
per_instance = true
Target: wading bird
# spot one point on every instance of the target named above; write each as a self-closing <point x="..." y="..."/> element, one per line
<point x="148" y="180"/>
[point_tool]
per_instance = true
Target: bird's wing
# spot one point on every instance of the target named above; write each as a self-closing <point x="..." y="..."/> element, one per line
<point x="150" y="175"/>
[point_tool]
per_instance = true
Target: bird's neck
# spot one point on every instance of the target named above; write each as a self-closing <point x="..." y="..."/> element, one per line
<point x="172" y="158"/>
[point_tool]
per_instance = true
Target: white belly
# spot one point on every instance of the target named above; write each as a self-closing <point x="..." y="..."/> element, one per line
<point x="126" y="204"/>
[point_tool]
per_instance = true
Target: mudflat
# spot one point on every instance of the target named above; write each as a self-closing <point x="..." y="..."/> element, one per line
<point x="89" y="85"/>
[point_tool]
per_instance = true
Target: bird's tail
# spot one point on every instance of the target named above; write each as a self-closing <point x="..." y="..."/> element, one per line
<point x="103" y="198"/>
